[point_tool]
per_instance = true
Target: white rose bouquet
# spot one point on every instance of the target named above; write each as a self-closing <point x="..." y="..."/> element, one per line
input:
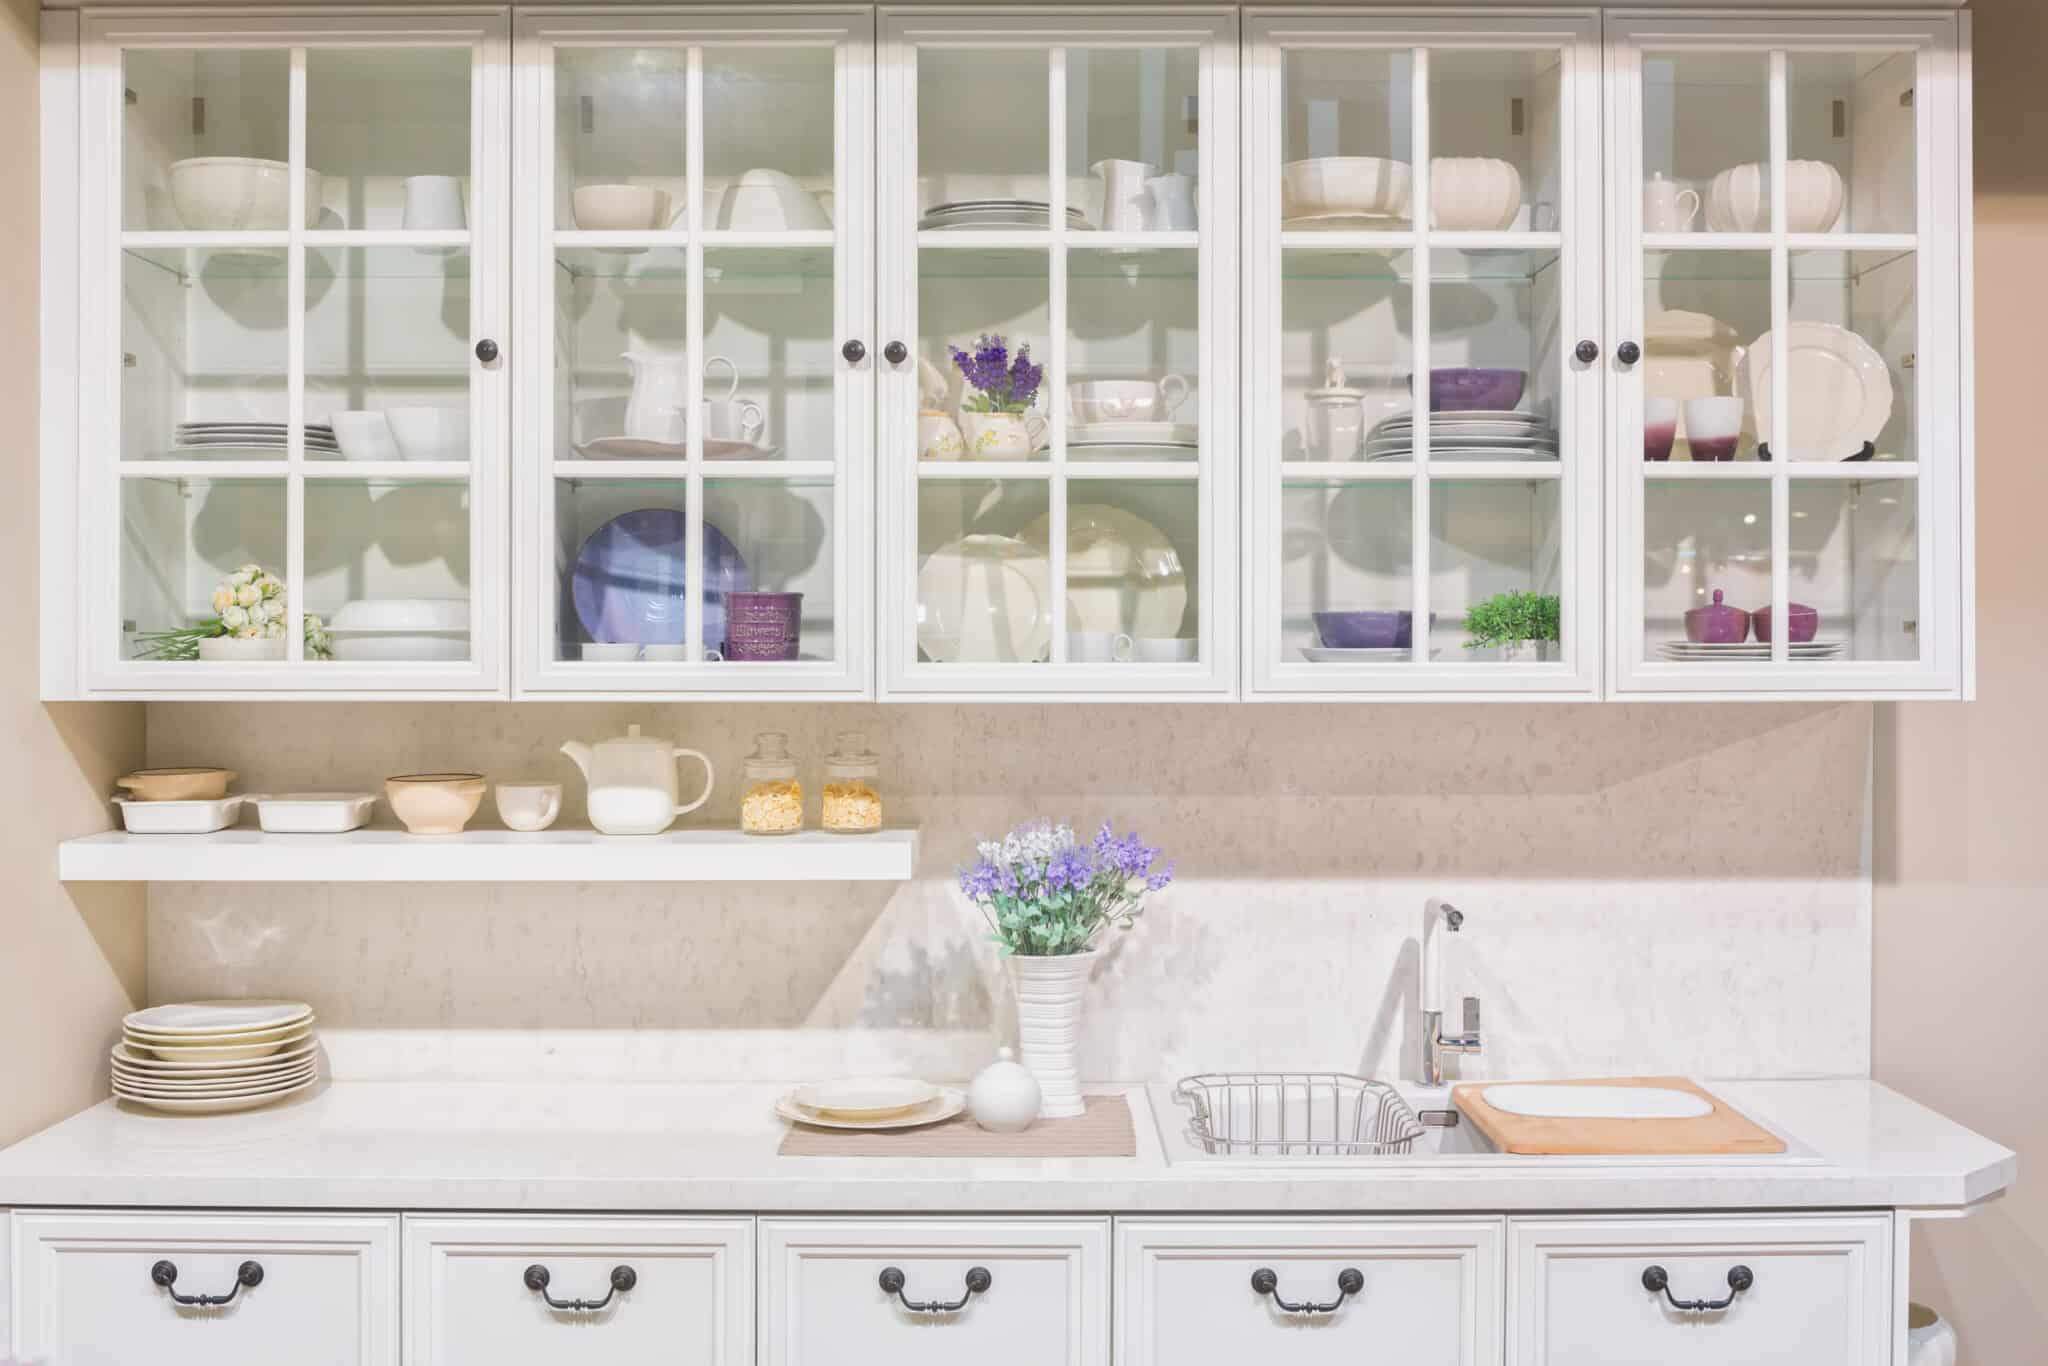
<point x="248" y="604"/>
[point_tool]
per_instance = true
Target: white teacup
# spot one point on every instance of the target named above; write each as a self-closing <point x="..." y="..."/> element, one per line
<point x="529" y="805"/>
<point x="364" y="436"/>
<point x="1098" y="647"/>
<point x="609" y="652"/>
<point x="733" y="419"/>
<point x="1126" y="400"/>
<point x="1164" y="649"/>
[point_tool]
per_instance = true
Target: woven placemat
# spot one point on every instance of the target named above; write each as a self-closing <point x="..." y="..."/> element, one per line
<point x="1105" y="1131"/>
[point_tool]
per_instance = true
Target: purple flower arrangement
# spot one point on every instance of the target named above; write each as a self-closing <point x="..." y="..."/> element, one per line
<point x="1046" y="892"/>
<point x="1001" y="383"/>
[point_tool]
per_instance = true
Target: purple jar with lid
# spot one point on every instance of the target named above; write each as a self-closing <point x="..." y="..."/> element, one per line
<point x="762" y="626"/>
<point x="1717" y="623"/>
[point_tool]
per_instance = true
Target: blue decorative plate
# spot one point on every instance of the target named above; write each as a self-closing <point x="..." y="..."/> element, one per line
<point x="631" y="586"/>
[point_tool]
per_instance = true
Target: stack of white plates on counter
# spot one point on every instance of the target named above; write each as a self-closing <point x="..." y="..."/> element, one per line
<point x="870" y="1103"/>
<point x="217" y="438"/>
<point x="1691" y="651"/>
<point x="1475" y="435"/>
<point x="210" y="1057"/>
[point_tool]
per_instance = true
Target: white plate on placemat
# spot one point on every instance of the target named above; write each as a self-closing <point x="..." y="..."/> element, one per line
<point x="865" y="1097"/>
<point x="945" y="1105"/>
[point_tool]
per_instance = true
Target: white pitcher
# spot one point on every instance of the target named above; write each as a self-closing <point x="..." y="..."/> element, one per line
<point x="1123" y="193"/>
<point x="658" y="407"/>
<point x="1170" y="203"/>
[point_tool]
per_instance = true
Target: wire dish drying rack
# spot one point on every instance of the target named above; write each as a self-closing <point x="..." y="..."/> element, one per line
<point x="1297" y="1114"/>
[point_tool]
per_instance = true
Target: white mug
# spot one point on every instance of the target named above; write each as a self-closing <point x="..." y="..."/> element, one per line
<point x="1164" y="649"/>
<point x="529" y="805"/>
<point x="1669" y="206"/>
<point x="433" y="203"/>
<point x="1098" y="647"/>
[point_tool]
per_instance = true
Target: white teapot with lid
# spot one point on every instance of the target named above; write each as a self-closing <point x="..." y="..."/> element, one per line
<point x="632" y="778"/>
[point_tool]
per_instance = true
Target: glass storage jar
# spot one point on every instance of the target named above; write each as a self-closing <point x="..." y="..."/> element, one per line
<point x="773" y="800"/>
<point x="852" y="804"/>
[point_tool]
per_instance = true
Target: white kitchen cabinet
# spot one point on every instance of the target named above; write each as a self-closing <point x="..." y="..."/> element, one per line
<point x="1041" y="1297"/>
<point x="1064" y="183"/>
<point x="695" y="386"/>
<point x="1818" y="1290"/>
<point x="651" y="1291"/>
<point x="1429" y="1291"/>
<point x="92" y="1289"/>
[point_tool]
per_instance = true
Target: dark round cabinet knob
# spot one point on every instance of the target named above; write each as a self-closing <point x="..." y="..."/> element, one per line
<point x="486" y="350"/>
<point x="1351" y="1280"/>
<point x="1587" y="352"/>
<point x="1265" y="1281"/>
<point x="1628" y="353"/>
<point x="854" y="352"/>
<point x="895" y="353"/>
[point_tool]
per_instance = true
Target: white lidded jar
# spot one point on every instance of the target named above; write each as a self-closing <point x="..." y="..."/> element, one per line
<point x="771" y="798"/>
<point x="852" y="801"/>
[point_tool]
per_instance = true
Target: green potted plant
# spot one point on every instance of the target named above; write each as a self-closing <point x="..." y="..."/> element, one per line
<point x="1521" y="627"/>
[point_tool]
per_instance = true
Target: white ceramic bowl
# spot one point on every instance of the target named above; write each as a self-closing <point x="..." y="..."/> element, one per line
<point x="238" y="194"/>
<point x="429" y="433"/>
<point x="620" y="208"/>
<point x="1372" y="186"/>
<point x="765" y="200"/>
<point x="383" y="647"/>
<point x="1739" y="200"/>
<point x="1474" y="194"/>
<point x="364" y="436"/>
<point x="402" y="614"/>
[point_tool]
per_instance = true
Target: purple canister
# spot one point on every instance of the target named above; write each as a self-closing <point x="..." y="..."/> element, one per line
<point x="762" y="626"/>
<point x="1717" y="624"/>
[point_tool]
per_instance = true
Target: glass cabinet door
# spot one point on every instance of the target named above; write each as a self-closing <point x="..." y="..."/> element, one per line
<point x="1788" y="445"/>
<point x="293" y="294"/>
<point x="1422" y="412"/>
<point x="695" y="367"/>
<point x="1058" y="373"/>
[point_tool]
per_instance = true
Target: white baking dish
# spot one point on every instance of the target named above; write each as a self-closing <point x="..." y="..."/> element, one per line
<point x="179" y="818"/>
<point x="313" y="813"/>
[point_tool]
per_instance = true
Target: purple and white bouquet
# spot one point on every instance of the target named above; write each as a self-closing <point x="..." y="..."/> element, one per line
<point x="1000" y="383"/>
<point x="1045" y="892"/>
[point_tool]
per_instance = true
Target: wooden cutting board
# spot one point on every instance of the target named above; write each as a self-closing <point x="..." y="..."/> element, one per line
<point x="1723" y="1131"/>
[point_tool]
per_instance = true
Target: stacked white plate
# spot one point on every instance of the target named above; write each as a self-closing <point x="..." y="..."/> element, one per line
<point x="1475" y="435"/>
<point x="210" y="1057"/>
<point x="215" y="437"/>
<point x="1691" y="651"/>
<point x="996" y="213"/>
<point x="1133" y="441"/>
<point x="870" y="1103"/>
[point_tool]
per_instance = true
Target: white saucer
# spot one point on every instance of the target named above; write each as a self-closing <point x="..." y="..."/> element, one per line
<point x="1133" y="434"/>
<point x="947" y="1104"/>
<point x="633" y="448"/>
<point x="1325" y="654"/>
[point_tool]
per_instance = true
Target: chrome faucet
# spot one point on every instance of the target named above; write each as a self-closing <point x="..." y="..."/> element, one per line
<point x="1435" y="1043"/>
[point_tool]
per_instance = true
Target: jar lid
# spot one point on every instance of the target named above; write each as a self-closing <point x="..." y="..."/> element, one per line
<point x="771" y="757"/>
<point x="1335" y="388"/>
<point x="851" y="756"/>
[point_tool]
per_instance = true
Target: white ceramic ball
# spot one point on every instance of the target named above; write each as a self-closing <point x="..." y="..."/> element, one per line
<point x="1004" y="1096"/>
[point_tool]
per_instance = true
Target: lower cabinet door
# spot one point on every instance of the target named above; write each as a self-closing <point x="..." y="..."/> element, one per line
<point x="99" y="1289"/>
<point x="935" y="1292"/>
<point x="526" y="1291"/>
<point x="1424" y="1292"/>
<point x="1775" y="1290"/>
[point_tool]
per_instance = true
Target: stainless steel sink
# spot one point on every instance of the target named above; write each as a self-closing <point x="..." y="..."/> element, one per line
<point x="1294" y="1115"/>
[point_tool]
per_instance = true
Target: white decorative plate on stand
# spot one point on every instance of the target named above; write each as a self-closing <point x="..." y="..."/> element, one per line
<point x="1841" y="392"/>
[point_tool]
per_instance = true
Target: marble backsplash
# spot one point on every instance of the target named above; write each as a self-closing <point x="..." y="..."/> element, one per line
<point x="1647" y="888"/>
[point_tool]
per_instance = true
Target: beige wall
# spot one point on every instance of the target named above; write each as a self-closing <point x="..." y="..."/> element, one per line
<point x="1961" y="1013"/>
<point x="71" y="959"/>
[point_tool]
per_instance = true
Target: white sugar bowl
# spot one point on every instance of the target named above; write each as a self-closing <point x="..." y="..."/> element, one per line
<point x="1003" y="1098"/>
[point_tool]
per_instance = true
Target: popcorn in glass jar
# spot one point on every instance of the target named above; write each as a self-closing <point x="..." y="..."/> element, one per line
<point x="852" y="804"/>
<point x="772" y="800"/>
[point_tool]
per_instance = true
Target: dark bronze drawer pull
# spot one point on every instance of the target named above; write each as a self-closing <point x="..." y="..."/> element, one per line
<point x="978" y="1281"/>
<point x="165" y="1274"/>
<point x="1656" y="1279"/>
<point x="1350" y="1281"/>
<point x="622" y="1278"/>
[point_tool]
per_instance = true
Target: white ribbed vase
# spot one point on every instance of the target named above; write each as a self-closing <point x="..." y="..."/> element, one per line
<point x="1049" y="992"/>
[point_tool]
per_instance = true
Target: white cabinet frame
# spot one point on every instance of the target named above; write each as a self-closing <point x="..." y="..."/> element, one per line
<point x="1939" y="470"/>
<point x="1213" y="31"/>
<point x="91" y="555"/>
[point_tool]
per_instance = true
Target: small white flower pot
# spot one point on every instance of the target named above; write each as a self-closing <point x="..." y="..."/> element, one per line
<point x="1049" y="996"/>
<point x="1526" y="652"/>
<point x="1929" y="1339"/>
<point x="235" y="650"/>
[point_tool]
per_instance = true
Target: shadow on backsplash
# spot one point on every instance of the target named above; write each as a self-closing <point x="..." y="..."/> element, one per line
<point x="1680" y="887"/>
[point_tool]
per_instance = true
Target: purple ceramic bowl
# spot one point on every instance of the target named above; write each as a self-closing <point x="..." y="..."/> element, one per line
<point x="1717" y="624"/>
<point x="1366" y="630"/>
<point x="1466" y="389"/>
<point x="1805" y="623"/>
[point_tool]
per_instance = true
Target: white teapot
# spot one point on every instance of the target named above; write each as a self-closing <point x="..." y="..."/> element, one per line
<point x="632" y="782"/>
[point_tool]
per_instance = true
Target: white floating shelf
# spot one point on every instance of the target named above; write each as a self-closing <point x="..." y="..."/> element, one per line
<point x="390" y="855"/>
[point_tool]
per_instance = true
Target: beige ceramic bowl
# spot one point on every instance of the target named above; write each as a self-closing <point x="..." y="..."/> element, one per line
<point x="435" y="803"/>
<point x="177" y="784"/>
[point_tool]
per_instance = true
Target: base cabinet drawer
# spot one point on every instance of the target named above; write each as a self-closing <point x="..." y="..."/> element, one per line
<point x="961" y="1292"/>
<point x="1763" y="1291"/>
<point x="97" y="1289"/>
<point x="1309" y="1292"/>
<point x="525" y="1291"/>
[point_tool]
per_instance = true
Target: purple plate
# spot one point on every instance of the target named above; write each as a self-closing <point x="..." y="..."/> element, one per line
<point x="630" y="583"/>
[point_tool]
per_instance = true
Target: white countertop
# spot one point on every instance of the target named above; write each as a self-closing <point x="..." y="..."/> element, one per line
<point x="682" y="1147"/>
